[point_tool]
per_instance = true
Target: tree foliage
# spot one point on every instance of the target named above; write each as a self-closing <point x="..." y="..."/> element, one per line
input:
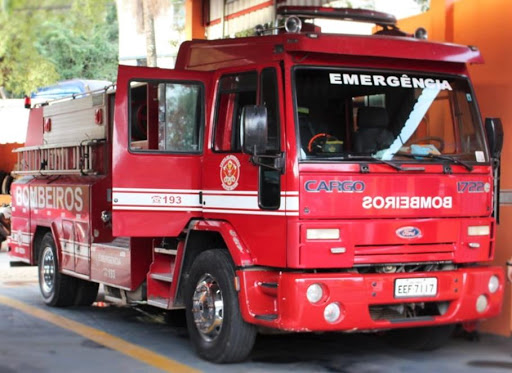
<point x="50" y="40"/>
<point x="80" y="50"/>
<point x="425" y="4"/>
<point x="145" y="12"/>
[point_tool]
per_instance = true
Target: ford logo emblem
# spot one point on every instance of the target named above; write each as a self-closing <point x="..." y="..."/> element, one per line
<point x="408" y="232"/>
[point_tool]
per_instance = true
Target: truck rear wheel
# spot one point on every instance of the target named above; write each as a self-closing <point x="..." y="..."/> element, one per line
<point x="214" y="321"/>
<point x="6" y="184"/>
<point x="57" y="289"/>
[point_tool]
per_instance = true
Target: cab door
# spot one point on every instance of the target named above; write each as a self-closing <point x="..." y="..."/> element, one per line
<point x="232" y="183"/>
<point x="157" y="150"/>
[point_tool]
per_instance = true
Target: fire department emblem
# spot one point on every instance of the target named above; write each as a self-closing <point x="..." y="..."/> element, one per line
<point x="229" y="172"/>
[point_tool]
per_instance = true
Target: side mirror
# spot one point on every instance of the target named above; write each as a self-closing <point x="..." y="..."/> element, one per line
<point x="494" y="131"/>
<point x="254" y="129"/>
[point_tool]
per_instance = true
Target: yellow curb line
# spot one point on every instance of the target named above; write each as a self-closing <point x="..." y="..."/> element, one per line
<point x="105" y="339"/>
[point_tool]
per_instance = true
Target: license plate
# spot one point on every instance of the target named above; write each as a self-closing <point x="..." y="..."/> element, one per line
<point x="415" y="287"/>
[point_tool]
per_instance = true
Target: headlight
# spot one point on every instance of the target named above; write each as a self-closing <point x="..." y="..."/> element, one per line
<point x="479" y="230"/>
<point x="332" y="312"/>
<point x="314" y="293"/>
<point x="323" y="234"/>
<point x="494" y="284"/>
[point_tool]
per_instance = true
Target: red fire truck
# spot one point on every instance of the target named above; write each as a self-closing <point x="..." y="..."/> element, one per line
<point x="296" y="181"/>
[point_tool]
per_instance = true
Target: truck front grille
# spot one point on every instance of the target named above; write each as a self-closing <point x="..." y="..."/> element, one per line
<point x="407" y="311"/>
<point x="404" y="253"/>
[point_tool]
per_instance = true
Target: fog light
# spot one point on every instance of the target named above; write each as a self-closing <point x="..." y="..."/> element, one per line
<point x="481" y="303"/>
<point x="323" y="234"/>
<point x="314" y="293"/>
<point x="332" y="312"/>
<point x="494" y="284"/>
<point x="480" y="230"/>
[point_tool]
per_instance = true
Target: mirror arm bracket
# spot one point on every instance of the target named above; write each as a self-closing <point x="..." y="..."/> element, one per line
<point x="278" y="161"/>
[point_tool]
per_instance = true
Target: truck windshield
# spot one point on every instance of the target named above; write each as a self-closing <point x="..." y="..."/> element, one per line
<point x="349" y="114"/>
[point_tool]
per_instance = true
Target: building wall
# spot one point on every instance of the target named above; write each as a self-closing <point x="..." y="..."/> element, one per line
<point x="485" y="25"/>
<point x="7" y="157"/>
<point x="13" y="130"/>
<point x="132" y="40"/>
<point x="240" y="15"/>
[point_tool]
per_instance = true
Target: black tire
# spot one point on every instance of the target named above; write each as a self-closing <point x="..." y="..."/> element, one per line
<point x="57" y="289"/>
<point x="2" y="177"/>
<point x="421" y="339"/>
<point x="232" y="340"/>
<point x="6" y="184"/>
<point x="86" y="292"/>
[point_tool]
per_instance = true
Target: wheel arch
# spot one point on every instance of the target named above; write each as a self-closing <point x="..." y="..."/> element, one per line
<point x="210" y="235"/>
<point x="240" y="253"/>
<point x="36" y="243"/>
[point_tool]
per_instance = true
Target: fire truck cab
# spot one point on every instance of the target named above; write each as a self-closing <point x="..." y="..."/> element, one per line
<point x="297" y="181"/>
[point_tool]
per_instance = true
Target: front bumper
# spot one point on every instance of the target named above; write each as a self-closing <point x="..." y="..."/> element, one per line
<point x="278" y="300"/>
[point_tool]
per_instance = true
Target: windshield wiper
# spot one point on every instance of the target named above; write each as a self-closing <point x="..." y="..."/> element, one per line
<point x="467" y="166"/>
<point x="390" y="164"/>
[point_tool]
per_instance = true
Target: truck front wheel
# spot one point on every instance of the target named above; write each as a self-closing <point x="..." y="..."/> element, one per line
<point x="57" y="289"/>
<point x="214" y="321"/>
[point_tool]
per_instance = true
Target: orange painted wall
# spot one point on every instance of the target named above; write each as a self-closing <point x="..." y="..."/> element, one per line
<point x="7" y="157"/>
<point x="483" y="23"/>
<point x="194" y="27"/>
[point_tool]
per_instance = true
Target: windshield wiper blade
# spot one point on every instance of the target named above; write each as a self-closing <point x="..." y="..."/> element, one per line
<point x="390" y="164"/>
<point x="467" y="166"/>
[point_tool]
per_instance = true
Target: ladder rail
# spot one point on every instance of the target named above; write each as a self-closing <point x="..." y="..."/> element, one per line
<point x="59" y="159"/>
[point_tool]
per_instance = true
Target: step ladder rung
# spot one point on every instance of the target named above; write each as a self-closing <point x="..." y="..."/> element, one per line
<point x="167" y="277"/>
<point x="158" y="302"/>
<point x="161" y="250"/>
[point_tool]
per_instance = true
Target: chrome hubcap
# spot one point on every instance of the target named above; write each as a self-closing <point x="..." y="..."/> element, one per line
<point x="47" y="271"/>
<point x="208" y="307"/>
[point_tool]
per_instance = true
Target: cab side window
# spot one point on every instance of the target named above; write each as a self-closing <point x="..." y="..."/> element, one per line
<point x="166" y="117"/>
<point x="235" y="92"/>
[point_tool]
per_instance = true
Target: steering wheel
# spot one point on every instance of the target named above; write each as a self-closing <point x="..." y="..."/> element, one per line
<point x="432" y="138"/>
<point x="319" y="140"/>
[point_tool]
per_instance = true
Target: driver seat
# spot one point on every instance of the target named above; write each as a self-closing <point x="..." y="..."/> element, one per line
<point x="372" y="130"/>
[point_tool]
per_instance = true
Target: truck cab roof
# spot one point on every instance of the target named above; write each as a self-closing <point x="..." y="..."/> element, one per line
<point x="208" y="55"/>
